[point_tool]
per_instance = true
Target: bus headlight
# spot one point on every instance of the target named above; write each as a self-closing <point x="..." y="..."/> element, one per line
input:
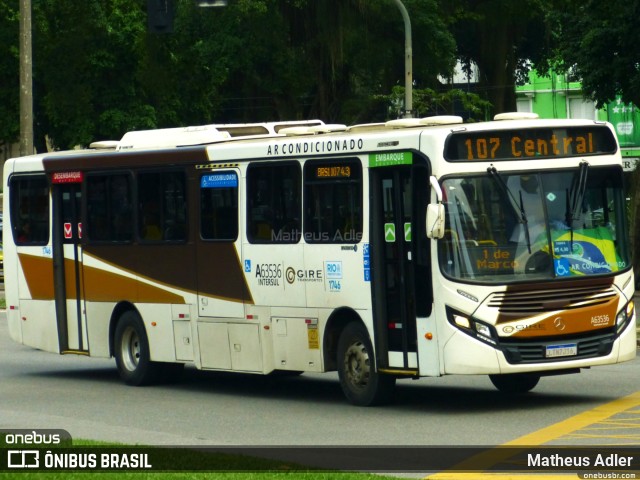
<point x="471" y="326"/>
<point x="624" y="316"/>
<point x="483" y="330"/>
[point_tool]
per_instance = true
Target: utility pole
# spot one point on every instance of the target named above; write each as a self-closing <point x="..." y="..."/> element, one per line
<point x="408" y="62"/>
<point x="26" y="80"/>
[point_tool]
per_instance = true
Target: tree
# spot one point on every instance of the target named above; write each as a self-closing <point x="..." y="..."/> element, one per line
<point x="598" y="43"/>
<point x="501" y="37"/>
<point x="98" y="72"/>
<point x="86" y="57"/>
<point x="331" y="59"/>
<point x="9" y="67"/>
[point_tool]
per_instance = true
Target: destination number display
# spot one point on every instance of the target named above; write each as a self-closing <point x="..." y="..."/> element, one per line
<point x="333" y="171"/>
<point x="527" y="144"/>
<point x="323" y="171"/>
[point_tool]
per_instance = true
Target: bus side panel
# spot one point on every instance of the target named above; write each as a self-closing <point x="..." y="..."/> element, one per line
<point x="11" y="287"/>
<point x="275" y="274"/>
<point x="98" y="316"/>
<point x="29" y="296"/>
<point x="334" y="276"/>
<point x="231" y="346"/>
<point x="213" y="343"/>
<point x="296" y="340"/>
<point x="158" y="322"/>
<point x="39" y="329"/>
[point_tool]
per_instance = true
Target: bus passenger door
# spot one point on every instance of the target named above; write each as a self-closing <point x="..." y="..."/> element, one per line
<point x="67" y="268"/>
<point x="400" y="280"/>
<point x="222" y="288"/>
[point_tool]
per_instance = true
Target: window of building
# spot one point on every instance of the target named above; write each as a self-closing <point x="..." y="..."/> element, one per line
<point x="274" y="203"/>
<point x="581" y="108"/>
<point x="524" y="104"/>
<point x="29" y="205"/>
<point x="219" y="206"/>
<point x="333" y="201"/>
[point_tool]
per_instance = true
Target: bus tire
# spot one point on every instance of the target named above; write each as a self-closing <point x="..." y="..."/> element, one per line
<point x="132" y="352"/>
<point x="515" y="383"/>
<point x="360" y="382"/>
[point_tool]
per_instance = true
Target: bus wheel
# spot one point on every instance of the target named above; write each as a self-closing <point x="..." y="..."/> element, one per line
<point x="360" y="382"/>
<point x="515" y="382"/>
<point x="132" y="351"/>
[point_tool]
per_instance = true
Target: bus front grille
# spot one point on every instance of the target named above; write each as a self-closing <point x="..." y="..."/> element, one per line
<point x="519" y="351"/>
<point x="538" y="301"/>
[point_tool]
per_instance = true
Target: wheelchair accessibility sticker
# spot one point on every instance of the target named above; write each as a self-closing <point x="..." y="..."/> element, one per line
<point x="562" y="267"/>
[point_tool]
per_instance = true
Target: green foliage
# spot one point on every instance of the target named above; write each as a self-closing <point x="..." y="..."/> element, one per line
<point x="85" y="74"/>
<point x="98" y="72"/>
<point x="428" y="102"/>
<point x="9" y="68"/>
<point x="501" y="37"/>
<point x="598" y="44"/>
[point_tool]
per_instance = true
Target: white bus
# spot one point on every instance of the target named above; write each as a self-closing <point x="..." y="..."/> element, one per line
<point x="413" y="248"/>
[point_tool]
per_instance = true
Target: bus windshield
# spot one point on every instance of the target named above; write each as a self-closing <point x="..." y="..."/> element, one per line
<point x="505" y="227"/>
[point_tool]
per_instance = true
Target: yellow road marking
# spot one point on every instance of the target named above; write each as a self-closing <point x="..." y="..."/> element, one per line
<point x="567" y="427"/>
<point x="578" y="422"/>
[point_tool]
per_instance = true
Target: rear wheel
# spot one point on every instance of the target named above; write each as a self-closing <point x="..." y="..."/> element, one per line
<point x="132" y="352"/>
<point x="360" y="382"/>
<point x="515" y="383"/>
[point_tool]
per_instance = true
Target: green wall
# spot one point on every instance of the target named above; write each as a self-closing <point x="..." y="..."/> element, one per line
<point x="549" y="98"/>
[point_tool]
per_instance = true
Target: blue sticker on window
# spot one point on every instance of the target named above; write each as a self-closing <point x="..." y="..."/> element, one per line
<point x="219" y="180"/>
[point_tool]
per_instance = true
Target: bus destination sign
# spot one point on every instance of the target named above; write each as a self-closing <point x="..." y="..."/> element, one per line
<point x="526" y="144"/>
<point x="333" y="171"/>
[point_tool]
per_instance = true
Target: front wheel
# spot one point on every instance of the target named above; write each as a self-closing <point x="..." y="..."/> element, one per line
<point x="132" y="351"/>
<point x="360" y="382"/>
<point x="515" y="383"/>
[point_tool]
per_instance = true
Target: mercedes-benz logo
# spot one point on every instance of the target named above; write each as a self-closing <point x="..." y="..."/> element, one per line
<point x="559" y="324"/>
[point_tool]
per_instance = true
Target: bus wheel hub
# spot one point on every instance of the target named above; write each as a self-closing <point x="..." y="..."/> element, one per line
<point x="357" y="364"/>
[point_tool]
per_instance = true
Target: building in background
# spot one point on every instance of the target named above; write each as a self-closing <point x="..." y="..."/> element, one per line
<point x="555" y="96"/>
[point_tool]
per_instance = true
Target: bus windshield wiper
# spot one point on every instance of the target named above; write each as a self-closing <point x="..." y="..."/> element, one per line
<point x="575" y="196"/>
<point x="518" y="208"/>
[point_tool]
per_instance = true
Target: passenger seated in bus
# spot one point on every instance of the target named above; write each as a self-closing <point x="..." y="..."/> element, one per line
<point x="151" y="228"/>
<point x="25" y="233"/>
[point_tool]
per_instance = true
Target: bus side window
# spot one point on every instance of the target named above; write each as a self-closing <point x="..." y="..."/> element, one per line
<point x="333" y="201"/>
<point x="219" y="206"/>
<point x="274" y="203"/>
<point x="161" y="206"/>
<point x="29" y="205"/>
<point x="109" y="208"/>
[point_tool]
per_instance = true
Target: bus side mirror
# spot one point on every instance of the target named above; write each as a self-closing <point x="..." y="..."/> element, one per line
<point x="435" y="212"/>
<point x="435" y="220"/>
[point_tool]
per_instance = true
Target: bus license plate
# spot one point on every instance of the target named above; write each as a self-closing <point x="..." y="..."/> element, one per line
<point x="565" y="350"/>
